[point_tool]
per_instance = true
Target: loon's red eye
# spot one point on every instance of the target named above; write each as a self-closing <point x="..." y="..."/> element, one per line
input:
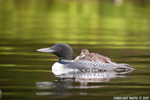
<point x="59" y="48"/>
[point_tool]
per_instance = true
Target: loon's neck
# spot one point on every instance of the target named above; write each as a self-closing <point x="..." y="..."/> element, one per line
<point x="61" y="58"/>
<point x="62" y="61"/>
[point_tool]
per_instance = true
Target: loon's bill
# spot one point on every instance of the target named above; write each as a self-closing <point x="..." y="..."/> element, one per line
<point x="48" y="50"/>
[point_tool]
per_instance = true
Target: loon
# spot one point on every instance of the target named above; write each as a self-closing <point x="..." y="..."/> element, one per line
<point x="67" y="63"/>
<point x="95" y="57"/>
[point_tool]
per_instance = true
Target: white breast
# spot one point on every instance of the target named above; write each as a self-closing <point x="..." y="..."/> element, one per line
<point x="58" y="68"/>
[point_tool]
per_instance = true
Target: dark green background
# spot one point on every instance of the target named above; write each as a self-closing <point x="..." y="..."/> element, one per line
<point x="119" y="30"/>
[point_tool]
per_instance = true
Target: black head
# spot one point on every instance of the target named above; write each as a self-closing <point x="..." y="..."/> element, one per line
<point x="63" y="51"/>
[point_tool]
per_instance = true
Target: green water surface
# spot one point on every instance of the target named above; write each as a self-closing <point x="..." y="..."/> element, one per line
<point x="117" y="29"/>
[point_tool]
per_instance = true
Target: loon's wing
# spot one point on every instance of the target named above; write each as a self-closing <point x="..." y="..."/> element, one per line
<point x="99" y="66"/>
<point x="84" y="65"/>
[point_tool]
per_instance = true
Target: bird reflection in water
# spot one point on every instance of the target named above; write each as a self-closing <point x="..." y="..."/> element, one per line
<point x="65" y="82"/>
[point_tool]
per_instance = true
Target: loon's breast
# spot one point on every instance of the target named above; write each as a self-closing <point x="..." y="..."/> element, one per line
<point x="58" y="68"/>
<point x="62" y="67"/>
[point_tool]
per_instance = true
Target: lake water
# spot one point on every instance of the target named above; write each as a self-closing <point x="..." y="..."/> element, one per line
<point x="119" y="30"/>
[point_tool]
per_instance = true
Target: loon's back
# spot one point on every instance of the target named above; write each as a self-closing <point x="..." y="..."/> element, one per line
<point x="84" y="65"/>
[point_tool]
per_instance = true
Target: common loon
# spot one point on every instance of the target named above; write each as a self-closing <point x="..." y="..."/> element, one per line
<point x="67" y="63"/>
<point x="95" y="57"/>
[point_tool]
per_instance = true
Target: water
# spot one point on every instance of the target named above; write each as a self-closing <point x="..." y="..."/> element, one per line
<point x="117" y="30"/>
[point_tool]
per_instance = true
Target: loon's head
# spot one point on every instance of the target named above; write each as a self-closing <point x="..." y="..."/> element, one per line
<point x="63" y="51"/>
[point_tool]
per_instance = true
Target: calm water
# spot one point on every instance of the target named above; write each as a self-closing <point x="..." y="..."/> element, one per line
<point x="119" y="30"/>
